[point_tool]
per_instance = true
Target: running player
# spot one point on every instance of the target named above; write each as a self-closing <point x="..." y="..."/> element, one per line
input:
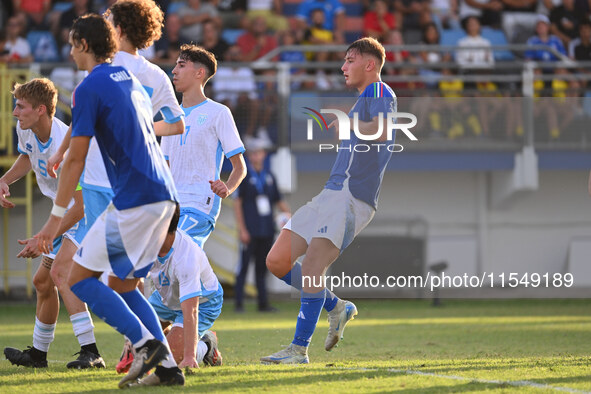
<point x="111" y="105"/>
<point x="325" y="226"/>
<point x="196" y="156"/>
<point x="39" y="135"/>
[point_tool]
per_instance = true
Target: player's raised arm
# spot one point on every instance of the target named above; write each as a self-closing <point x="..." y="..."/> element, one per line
<point x="19" y="169"/>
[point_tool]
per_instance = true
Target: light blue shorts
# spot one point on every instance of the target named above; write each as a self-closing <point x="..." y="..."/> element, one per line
<point x="197" y="224"/>
<point x="75" y="234"/>
<point x="209" y="311"/>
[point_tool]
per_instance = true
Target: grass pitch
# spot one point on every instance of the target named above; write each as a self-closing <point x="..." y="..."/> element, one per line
<point x="406" y="346"/>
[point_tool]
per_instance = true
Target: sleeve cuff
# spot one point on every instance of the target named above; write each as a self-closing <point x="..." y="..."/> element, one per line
<point x="191" y="295"/>
<point x="235" y="152"/>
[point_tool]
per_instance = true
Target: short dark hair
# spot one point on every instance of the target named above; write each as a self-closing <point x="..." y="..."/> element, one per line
<point x="584" y="22"/>
<point x="98" y="34"/>
<point x="369" y="46"/>
<point x="174" y="222"/>
<point x="140" y="20"/>
<point x="197" y="54"/>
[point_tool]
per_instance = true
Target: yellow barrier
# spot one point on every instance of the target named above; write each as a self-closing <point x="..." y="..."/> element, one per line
<point x="8" y="77"/>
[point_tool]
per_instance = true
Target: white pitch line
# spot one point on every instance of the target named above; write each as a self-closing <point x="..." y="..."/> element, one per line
<point x="515" y="383"/>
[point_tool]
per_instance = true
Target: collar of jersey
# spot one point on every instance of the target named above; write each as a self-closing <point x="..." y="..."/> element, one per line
<point x="187" y="111"/>
<point x="41" y="145"/>
<point x="162" y="260"/>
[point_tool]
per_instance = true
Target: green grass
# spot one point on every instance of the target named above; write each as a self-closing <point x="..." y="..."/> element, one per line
<point x="405" y="346"/>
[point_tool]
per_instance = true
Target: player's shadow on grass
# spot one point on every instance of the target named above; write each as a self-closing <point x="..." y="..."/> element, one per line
<point x="452" y="368"/>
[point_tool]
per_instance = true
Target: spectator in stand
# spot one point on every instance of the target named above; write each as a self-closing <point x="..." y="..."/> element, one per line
<point x="168" y="46"/>
<point x="379" y="21"/>
<point x="414" y="14"/>
<point x="255" y="42"/>
<point x="582" y="51"/>
<point x="15" y="49"/>
<point x="543" y="37"/>
<point x="231" y="12"/>
<point x="317" y="34"/>
<point x="334" y="13"/>
<point x="290" y="38"/>
<point x="235" y="87"/>
<point x="564" y="21"/>
<point x="519" y="19"/>
<point x="394" y="37"/>
<point x="34" y="10"/>
<point x="271" y="10"/>
<point x="431" y="37"/>
<point x="472" y="54"/>
<point x="213" y="41"/>
<point x="79" y="8"/>
<point x="193" y="15"/>
<point x="445" y="14"/>
<point x="488" y="11"/>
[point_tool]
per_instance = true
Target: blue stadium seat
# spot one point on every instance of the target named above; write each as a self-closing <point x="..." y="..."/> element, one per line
<point x="61" y="6"/>
<point x="452" y="36"/>
<point x="351" y="36"/>
<point x="497" y="37"/>
<point x="290" y="9"/>
<point x="231" y="35"/>
<point x="174" y="7"/>
<point x="43" y="46"/>
<point x="353" y="9"/>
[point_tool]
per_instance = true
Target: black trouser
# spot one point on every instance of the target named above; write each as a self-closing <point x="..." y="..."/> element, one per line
<point x="259" y="248"/>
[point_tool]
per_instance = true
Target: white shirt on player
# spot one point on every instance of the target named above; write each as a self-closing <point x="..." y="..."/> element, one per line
<point x="161" y="92"/>
<point x="39" y="153"/>
<point x="196" y="156"/>
<point x="184" y="273"/>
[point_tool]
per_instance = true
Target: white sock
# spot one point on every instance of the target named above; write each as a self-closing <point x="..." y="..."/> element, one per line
<point x="43" y="335"/>
<point x="146" y="336"/>
<point x="169" y="361"/>
<point x="83" y="328"/>
<point x="201" y="351"/>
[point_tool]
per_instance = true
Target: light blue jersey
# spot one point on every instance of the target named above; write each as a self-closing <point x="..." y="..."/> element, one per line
<point x="111" y="105"/>
<point x="363" y="171"/>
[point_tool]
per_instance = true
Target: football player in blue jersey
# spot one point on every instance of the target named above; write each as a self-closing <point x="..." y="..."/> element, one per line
<point x="111" y="105"/>
<point x="325" y="226"/>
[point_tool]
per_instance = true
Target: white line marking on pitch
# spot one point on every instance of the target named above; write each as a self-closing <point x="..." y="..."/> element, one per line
<point x="516" y="383"/>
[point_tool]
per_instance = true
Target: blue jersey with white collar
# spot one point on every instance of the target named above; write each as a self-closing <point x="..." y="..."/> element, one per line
<point x="363" y="171"/>
<point x="111" y="105"/>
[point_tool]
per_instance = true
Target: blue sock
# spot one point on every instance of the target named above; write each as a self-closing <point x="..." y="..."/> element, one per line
<point x="110" y="307"/>
<point x="294" y="279"/>
<point x="144" y="311"/>
<point x="308" y="317"/>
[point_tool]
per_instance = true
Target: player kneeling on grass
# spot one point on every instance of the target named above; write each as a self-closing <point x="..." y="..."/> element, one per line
<point x="189" y="296"/>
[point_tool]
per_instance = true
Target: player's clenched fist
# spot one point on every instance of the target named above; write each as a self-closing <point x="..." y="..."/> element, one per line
<point x="219" y="188"/>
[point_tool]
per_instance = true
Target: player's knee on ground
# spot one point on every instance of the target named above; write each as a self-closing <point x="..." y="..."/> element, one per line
<point x="176" y="342"/>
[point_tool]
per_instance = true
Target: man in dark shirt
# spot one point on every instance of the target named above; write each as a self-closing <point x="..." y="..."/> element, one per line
<point x="564" y="22"/>
<point x="583" y="50"/>
<point x="253" y="209"/>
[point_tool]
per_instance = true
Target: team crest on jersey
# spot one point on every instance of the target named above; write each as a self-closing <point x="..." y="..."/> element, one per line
<point x="201" y="118"/>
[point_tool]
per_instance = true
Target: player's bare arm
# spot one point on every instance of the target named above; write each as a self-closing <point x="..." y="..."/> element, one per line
<point x="56" y="159"/>
<point x="190" y="308"/>
<point x="236" y="176"/>
<point x="71" y="171"/>
<point x="161" y="128"/>
<point x="19" y="169"/>
<point x="239" y="216"/>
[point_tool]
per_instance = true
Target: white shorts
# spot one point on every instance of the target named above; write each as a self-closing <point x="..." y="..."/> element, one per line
<point x="126" y="242"/>
<point x="332" y="214"/>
